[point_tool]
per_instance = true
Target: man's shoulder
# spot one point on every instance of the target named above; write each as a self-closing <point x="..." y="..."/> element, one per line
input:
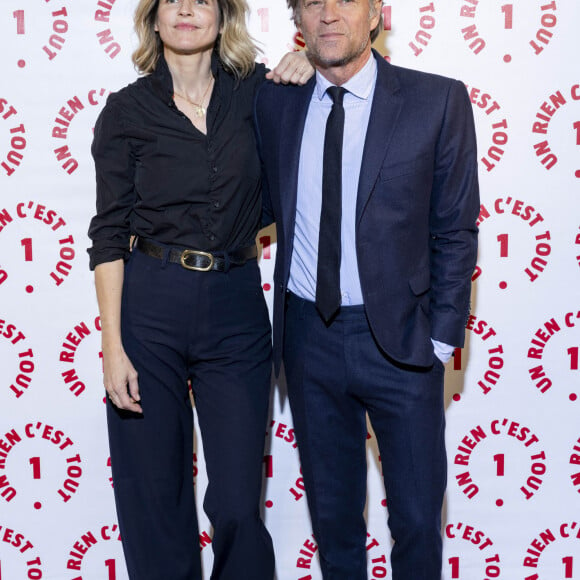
<point x="279" y="95"/>
<point x="411" y="77"/>
<point x="275" y="102"/>
<point x="420" y="91"/>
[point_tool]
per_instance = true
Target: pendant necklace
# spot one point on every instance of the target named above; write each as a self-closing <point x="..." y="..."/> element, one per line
<point x="200" y="110"/>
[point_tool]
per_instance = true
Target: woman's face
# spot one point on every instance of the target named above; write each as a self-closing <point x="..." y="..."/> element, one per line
<point x="188" y="26"/>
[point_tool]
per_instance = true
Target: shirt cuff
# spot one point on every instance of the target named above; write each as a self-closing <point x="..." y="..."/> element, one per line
<point x="98" y="255"/>
<point x="443" y="351"/>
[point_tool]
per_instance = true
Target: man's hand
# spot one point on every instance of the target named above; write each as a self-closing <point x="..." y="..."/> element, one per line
<point x="294" y="68"/>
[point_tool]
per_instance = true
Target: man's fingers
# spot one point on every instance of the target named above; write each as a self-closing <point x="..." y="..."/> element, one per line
<point x="304" y="76"/>
<point x="278" y="76"/>
<point x="296" y="75"/>
<point x="295" y="72"/>
<point x="294" y="67"/>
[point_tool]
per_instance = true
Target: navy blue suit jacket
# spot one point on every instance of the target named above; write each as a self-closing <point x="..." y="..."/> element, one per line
<point x="417" y="205"/>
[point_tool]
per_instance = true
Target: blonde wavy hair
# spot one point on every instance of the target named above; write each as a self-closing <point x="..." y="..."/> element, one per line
<point x="235" y="46"/>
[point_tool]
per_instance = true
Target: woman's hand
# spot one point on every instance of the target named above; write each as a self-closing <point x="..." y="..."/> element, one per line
<point x="294" y="68"/>
<point x="120" y="376"/>
<point x="120" y="380"/>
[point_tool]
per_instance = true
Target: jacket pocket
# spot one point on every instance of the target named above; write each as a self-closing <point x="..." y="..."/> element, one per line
<point x="419" y="164"/>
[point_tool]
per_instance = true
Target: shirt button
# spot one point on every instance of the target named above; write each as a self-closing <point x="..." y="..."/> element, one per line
<point x="212" y="237"/>
<point x="214" y="169"/>
<point x="216" y="203"/>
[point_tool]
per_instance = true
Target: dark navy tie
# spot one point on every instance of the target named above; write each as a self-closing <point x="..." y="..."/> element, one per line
<point x="328" y="270"/>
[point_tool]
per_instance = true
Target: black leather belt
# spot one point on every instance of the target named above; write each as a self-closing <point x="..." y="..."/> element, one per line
<point x="198" y="260"/>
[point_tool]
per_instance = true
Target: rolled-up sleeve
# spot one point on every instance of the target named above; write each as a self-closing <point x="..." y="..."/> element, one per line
<point x="110" y="228"/>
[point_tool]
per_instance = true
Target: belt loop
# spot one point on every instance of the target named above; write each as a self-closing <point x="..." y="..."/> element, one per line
<point x="165" y="258"/>
<point x="227" y="263"/>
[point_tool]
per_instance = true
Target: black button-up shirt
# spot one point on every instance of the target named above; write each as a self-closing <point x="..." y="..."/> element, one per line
<point x="160" y="178"/>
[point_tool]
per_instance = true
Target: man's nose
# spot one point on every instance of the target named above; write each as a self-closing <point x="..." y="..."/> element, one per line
<point x="329" y="11"/>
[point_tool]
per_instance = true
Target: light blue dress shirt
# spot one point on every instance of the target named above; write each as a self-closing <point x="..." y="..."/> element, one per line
<point x="357" y="107"/>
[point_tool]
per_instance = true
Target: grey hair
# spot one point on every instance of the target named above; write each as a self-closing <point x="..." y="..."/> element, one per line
<point x="296" y="6"/>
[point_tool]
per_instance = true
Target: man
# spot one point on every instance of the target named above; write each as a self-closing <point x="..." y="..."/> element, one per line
<point x="371" y="287"/>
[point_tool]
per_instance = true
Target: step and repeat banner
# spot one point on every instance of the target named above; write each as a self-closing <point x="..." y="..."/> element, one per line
<point x="513" y="410"/>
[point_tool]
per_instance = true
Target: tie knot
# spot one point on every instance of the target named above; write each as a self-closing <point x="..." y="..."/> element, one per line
<point x="336" y="94"/>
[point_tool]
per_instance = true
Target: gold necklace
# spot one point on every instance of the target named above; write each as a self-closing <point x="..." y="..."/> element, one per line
<point x="200" y="110"/>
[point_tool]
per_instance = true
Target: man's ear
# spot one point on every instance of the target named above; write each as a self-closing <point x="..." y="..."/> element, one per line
<point x="377" y="17"/>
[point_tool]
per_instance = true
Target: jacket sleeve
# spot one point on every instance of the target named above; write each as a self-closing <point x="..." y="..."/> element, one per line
<point x="452" y="219"/>
<point x="267" y="212"/>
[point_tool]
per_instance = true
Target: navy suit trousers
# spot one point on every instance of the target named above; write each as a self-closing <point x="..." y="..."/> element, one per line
<point x="336" y="375"/>
<point x="211" y="328"/>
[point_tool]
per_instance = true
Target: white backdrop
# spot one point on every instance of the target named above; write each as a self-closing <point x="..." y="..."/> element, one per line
<point x="513" y="504"/>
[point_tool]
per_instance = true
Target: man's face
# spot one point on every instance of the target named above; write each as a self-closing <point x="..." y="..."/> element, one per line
<point x="337" y="32"/>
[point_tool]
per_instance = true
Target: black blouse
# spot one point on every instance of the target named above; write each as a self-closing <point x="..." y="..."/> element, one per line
<point x="161" y="178"/>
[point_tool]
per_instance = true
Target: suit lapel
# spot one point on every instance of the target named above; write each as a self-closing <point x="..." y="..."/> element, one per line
<point x="385" y="110"/>
<point x="293" y="117"/>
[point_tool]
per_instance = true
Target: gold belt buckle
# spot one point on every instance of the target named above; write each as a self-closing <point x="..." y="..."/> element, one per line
<point x="186" y="253"/>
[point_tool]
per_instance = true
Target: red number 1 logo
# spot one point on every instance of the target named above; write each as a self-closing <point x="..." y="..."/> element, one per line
<point x="26" y="243"/>
<point x="457" y="359"/>
<point x="568" y="561"/>
<point x="268" y="466"/>
<point x="35" y="462"/>
<point x="576" y="126"/>
<point x="264" y="15"/>
<point x="110" y="564"/>
<point x="503" y="245"/>
<point x="508" y="10"/>
<point x="500" y="461"/>
<point x="454" y="562"/>
<point x="387" y="16"/>
<point x="265" y="241"/>
<point x="573" y="352"/>
<point x="19" y="15"/>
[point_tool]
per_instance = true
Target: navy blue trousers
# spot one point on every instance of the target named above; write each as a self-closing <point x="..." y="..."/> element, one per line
<point x="336" y="375"/>
<point x="211" y="328"/>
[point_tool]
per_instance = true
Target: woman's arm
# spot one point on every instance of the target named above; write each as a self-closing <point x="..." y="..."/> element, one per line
<point x="120" y="377"/>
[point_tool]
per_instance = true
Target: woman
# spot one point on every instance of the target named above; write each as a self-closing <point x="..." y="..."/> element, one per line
<point x="177" y="168"/>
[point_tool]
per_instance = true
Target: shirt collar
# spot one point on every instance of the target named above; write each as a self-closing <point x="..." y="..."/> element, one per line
<point x="360" y="85"/>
